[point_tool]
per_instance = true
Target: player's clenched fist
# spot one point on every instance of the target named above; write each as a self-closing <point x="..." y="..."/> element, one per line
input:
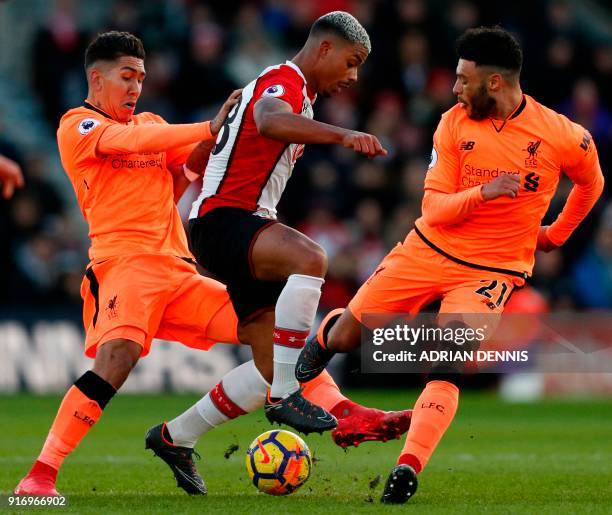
<point x="503" y="186"/>
<point x="217" y="122"/>
<point x="10" y="176"/>
<point x="363" y="143"/>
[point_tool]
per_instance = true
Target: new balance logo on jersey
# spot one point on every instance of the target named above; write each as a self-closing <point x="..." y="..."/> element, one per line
<point x="467" y="145"/>
<point x="532" y="181"/>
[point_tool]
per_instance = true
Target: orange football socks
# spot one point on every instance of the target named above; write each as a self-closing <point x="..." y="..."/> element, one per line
<point x="75" y="417"/>
<point x="433" y="412"/>
<point x="80" y="409"/>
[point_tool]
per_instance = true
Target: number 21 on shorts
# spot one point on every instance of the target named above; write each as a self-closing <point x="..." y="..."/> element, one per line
<point x="493" y="291"/>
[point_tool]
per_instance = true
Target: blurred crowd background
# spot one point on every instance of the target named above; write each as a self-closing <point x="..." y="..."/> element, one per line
<point x="198" y="51"/>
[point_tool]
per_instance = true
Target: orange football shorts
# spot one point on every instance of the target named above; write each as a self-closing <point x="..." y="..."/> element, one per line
<point x="144" y="296"/>
<point x="413" y="275"/>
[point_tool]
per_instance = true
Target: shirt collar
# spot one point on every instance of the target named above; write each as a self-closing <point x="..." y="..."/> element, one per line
<point x="96" y="109"/>
<point x="312" y="96"/>
<point x="296" y="68"/>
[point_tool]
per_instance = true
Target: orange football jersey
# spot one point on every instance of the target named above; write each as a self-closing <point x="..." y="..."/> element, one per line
<point x="536" y="143"/>
<point x="127" y="199"/>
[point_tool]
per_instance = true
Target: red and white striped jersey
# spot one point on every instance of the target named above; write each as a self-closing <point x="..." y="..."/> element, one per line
<point x="246" y="169"/>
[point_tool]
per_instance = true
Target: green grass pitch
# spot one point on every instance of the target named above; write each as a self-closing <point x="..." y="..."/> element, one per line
<point x="546" y="457"/>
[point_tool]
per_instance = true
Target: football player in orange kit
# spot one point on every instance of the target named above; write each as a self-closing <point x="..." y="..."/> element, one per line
<point x="127" y="171"/>
<point x="495" y="165"/>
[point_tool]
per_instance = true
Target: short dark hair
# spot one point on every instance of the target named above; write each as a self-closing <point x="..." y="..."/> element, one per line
<point x="109" y="46"/>
<point x="491" y="46"/>
<point x="344" y="25"/>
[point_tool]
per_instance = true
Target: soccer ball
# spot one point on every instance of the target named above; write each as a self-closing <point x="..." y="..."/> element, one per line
<point x="278" y="462"/>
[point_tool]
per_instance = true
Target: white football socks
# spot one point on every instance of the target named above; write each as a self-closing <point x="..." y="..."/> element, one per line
<point x="240" y="391"/>
<point x="295" y="312"/>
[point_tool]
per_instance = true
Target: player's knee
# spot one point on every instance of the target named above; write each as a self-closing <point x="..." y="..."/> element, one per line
<point x="115" y="360"/>
<point x="312" y="261"/>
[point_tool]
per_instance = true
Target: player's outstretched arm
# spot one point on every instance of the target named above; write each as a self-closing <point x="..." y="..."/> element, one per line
<point x="192" y="169"/>
<point x="275" y="119"/>
<point x="10" y="176"/>
<point x="151" y="138"/>
<point x="161" y="137"/>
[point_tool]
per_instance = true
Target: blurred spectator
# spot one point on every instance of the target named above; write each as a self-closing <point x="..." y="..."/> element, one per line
<point x="558" y="66"/>
<point x="368" y="247"/>
<point x="327" y="230"/>
<point x="413" y="62"/>
<point x="156" y="97"/>
<point x="585" y="108"/>
<point x="602" y="73"/>
<point x="202" y="79"/>
<point x="254" y="50"/>
<point x="125" y="16"/>
<point x="401" y="222"/>
<point x="38" y="185"/>
<point x="412" y="181"/>
<point x="549" y="279"/>
<point x="592" y="273"/>
<point x="7" y="147"/>
<point x="57" y="63"/>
